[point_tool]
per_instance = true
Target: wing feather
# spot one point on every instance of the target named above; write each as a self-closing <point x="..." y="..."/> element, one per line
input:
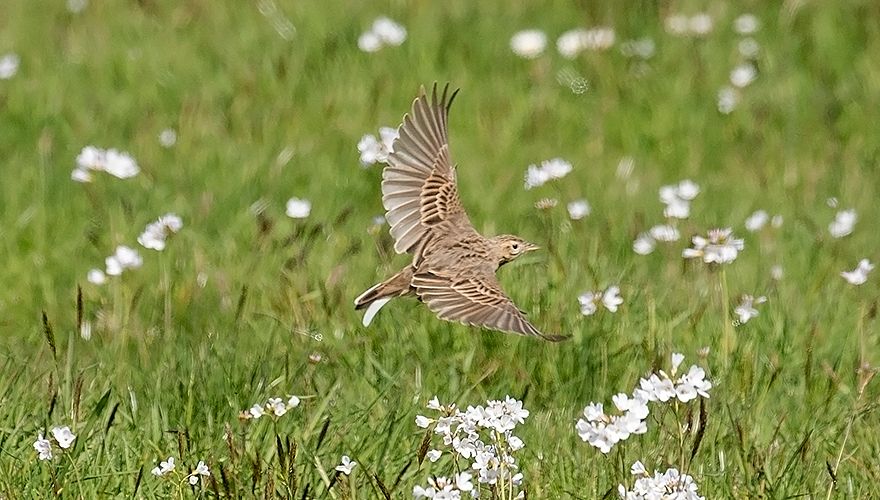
<point x="474" y="300"/>
<point x="419" y="180"/>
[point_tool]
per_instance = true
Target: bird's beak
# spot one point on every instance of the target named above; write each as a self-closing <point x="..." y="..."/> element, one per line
<point x="531" y="247"/>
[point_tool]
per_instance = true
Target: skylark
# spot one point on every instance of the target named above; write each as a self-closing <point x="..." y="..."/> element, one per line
<point x="453" y="267"/>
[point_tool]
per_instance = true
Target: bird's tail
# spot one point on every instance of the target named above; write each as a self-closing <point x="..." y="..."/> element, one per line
<point x="378" y="295"/>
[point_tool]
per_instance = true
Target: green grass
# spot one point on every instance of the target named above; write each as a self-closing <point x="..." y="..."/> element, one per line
<point x="171" y="363"/>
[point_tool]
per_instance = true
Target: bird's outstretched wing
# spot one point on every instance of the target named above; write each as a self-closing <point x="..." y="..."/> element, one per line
<point x="419" y="189"/>
<point x="474" y="300"/>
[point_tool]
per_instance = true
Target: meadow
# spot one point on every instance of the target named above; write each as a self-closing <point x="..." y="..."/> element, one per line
<point x="230" y="109"/>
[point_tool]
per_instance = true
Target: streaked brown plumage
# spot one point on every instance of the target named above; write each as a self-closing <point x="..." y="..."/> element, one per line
<point x="453" y="266"/>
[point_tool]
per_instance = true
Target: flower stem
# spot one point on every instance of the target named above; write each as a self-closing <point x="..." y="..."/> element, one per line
<point x="727" y="339"/>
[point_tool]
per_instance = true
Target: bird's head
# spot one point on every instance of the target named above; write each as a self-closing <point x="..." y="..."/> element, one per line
<point x="508" y="247"/>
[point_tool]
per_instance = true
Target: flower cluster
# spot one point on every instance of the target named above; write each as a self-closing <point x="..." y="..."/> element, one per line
<point x="610" y="298"/>
<point x="698" y="25"/>
<point x="168" y="466"/>
<point x="63" y="438"/>
<point x="274" y="406"/>
<point x="538" y="175"/>
<point x="646" y="242"/>
<point x="482" y="435"/>
<point x="843" y="223"/>
<point x="157" y="232"/>
<point x="603" y="431"/>
<point x="573" y="42"/>
<point x="92" y="159"/>
<point x="678" y="197"/>
<point x="670" y="484"/>
<point x="745" y="72"/>
<point x="382" y="33"/>
<point x="759" y="219"/>
<point x="859" y="275"/>
<point x="446" y="488"/>
<point x="746" y="309"/>
<point x="124" y="258"/>
<point x="717" y="246"/>
<point x="373" y="150"/>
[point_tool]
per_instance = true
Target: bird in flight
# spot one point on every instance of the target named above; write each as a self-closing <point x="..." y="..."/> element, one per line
<point x="453" y="266"/>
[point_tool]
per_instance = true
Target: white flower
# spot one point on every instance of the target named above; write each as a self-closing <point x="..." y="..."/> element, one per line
<point x="664" y="232"/>
<point x="120" y="164"/>
<point x="383" y="32"/>
<point x="655" y="388"/>
<point x="859" y="275"/>
<point x="124" y="258"/>
<point x="433" y="404"/>
<point x="200" y="470"/>
<point x="728" y="98"/>
<point x="757" y="220"/>
<point x="9" y="66"/>
<point x="369" y="42"/>
<point x="746" y="24"/>
<point x="434" y="455"/>
<point x="677" y="198"/>
<point x="257" y="411"/>
<point x="638" y="469"/>
<point x="670" y="485"/>
<point x="843" y="223"/>
<point x="611" y="298"/>
<point x="535" y="176"/>
<point x="677" y="24"/>
<point x="277" y="406"/>
<point x="694" y="380"/>
<point x="423" y="421"/>
<point x="164" y="467"/>
<point x="578" y="209"/>
<point x="589" y="303"/>
<point x="677" y="359"/>
<point x="599" y="38"/>
<point x="555" y="168"/>
<point x="168" y="138"/>
<point x="43" y="447"/>
<point x="346" y="466"/>
<point x="157" y="232"/>
<point x="743" y="75"/>
<point x="718" y="246"/>
<point x="96" y="277"/>
<point x="644" y="244"/>
<point x="91" y="158"/>
<point x="528" y="44"/>
<point x="746" y="309"/>
<point x="292" y="402"/>
<point x="389" y="32"/>
<point x="463" y="481"/>
<point x="374" y="150"/>
<point x="81" y="175"/>
<point x="63" y="436"/>
<point x="570" y="43"/>
<point x="701" y="24"/>
<point x="298" y="208"/>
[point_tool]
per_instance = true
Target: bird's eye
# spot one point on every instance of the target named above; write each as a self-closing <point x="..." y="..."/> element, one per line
<point x="515" y="246"/>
